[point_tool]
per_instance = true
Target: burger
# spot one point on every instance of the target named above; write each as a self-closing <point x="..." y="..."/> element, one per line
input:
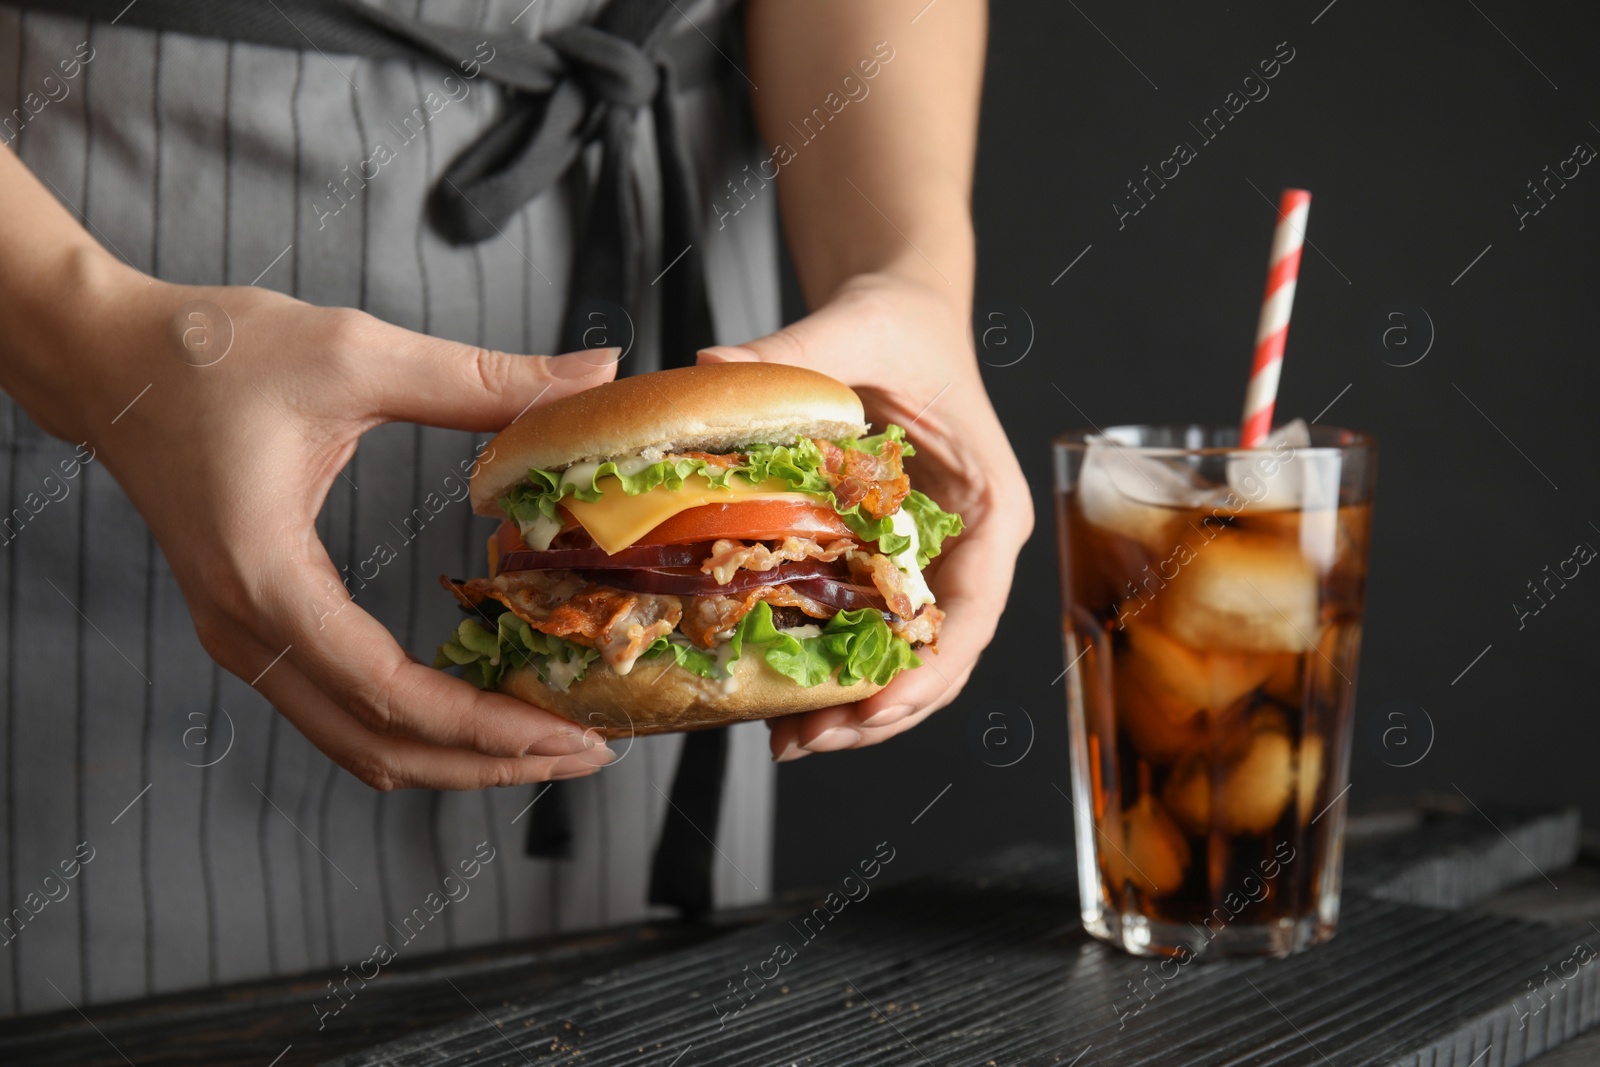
<point x="694" y="547"/>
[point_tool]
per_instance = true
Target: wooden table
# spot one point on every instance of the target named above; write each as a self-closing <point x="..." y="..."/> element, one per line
<point x="1431" y="856"/>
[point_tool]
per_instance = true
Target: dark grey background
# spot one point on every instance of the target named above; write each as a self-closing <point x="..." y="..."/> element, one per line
<point x="1416" y="127"/>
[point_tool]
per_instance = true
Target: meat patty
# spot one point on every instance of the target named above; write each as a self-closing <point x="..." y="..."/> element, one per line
<point x="787" y="618"/>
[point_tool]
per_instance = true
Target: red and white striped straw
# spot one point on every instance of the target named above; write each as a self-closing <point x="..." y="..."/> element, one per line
<point x="1273" y="328"/>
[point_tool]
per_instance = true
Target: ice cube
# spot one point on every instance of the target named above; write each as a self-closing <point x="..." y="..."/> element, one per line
<point x="1160" y="728"/>
<point x="1106" y="567"/>
<point x="1310" y="776"/>
<point x="1268" y="475"/>
<point x="1285" y="684"/>
<point x="1243" y="592"/>
<point x="1255" y="783"/>
<point x="1333" y="666"/>
<point x="1195" y="681"/>
<point x="1152" y="854"/>
<point x="1286" y="473"/>
<point x="1187" y="794"/>
<point x="1256" y="789"/>
<point x="1135" y="495"/>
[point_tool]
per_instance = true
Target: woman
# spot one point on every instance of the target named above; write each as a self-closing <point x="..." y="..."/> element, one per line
<point x="216" y="286"/>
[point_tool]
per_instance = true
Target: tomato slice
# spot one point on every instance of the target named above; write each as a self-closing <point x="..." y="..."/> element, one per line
<point x="508" y="538"/>
<point x="749" y="520"/>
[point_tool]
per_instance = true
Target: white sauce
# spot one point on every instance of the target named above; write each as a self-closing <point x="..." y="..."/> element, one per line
<point x="724" y="652"/>
<point x="581" y="474"/>
<point x="560" y="675"/>
<point x="631" y="465"/>
<point x="612" y="651"/>
<point x="538" y="533"/>
<point x="802" y="632"/>
<point x="916" y="587"/>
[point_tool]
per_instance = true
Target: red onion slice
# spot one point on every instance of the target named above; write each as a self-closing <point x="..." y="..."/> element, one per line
<point x="561" y="559"/>
<point x="694" y="583"/>
<point x="841" y="595"/>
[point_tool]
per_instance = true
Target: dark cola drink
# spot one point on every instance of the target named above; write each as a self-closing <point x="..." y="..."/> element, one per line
<point x="1212" y="627"/>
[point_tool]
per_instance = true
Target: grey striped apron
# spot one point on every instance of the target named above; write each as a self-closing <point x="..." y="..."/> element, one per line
<point x="161" y="828"/>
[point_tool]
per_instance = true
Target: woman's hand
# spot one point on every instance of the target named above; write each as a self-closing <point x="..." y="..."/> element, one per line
<point x="907" y="351"/>
<point x="230" y="462"/>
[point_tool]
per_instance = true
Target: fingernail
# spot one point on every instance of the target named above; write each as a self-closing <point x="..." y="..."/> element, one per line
<point x="833" y="739"/>
<point x="583" y="363"/>
<point x="582" y="763"/>
<point x="560" y="744"/>
<point x="726" y="354"/>
<point x="884" y="716"/>
<point x="790" y="754"/>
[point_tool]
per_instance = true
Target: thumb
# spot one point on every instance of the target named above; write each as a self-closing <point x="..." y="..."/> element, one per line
<point x="727" y="354"/>
<point x="847" y="346"/>
<point x="442" y="383"/>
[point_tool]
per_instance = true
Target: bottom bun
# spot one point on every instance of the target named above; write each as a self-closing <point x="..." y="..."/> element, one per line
<point x="654" y="698"/>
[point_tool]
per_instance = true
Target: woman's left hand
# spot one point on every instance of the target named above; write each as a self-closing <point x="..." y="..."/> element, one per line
<point x="906" y="350"/>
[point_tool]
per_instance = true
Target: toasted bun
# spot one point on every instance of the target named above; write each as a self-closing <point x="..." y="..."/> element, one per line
<point x="711" y="408"/>
<point x="654" y="698"/>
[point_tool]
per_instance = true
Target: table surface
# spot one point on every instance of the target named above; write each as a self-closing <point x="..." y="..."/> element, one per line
<point x="271" y="1022"/>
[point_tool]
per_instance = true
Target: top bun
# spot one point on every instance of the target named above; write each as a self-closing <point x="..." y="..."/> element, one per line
<point x="709" y="408"/>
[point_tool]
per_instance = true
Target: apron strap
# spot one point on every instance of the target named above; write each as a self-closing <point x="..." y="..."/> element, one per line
<point x="680" y="873"/>
<point x="680" y="876"/>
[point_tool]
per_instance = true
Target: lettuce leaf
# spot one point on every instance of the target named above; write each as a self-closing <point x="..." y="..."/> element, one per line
<point x="696" y="660"/>
<point x="798" y="466"/>
<point x="487" y="654"/>
<point x="933" y="526"/>
<point x="857" y="644"/>
<point x="545" y="489"/>
<point x="874" y="444"/>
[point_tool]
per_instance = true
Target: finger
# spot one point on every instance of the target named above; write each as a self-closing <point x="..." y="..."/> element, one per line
<point x="820" y="730"/>
<point x="820" y="340"/>
<point x="783" y="738"/>
<point x="727" y="354"/>
<point x="877" y="729"/>
<point x="441" y="383"/>
<point x="974" y="569"/>
<point x="861" y="356"/>
<point x="400" y="763"/>
<point x="845" y="726"/>
<point x="855" y="342"/>
<point x="358" y="665"/>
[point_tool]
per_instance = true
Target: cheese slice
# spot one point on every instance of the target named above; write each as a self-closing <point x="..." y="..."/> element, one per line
<point x="617" y="520"/>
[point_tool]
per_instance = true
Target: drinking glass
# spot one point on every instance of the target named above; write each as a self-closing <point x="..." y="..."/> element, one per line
<point x="1213" y="602"/>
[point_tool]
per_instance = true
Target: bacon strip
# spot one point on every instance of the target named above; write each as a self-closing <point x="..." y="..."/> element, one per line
<point x="923" y="629"/>
<point x="728" y="556"/>
<point x="707" y="616"/>
<point x="878" y="483"/>
<point x="617" y="623"/>
<point x="621" y="625"/>
<point x="881" y="572"/>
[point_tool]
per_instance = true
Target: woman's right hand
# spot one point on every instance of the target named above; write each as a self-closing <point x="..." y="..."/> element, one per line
<point x="229" y="463"/>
